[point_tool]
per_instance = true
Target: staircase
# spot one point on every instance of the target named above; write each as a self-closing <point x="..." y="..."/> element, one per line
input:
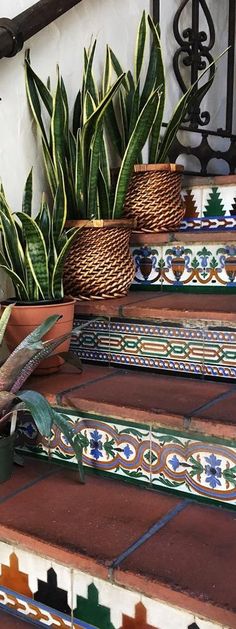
<point x="149" y="541"/>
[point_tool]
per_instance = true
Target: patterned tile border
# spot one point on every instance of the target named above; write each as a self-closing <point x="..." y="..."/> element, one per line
<point x="209" y="208"/>
<point x="47" y="593"/>
<point x="169" y="347"/>
<point x="165" y="459"/>
<point x="206" y="267"/>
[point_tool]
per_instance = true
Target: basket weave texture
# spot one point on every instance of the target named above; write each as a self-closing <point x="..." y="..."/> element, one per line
<point x="99" y="264"/>
<point x="154" y="200"/>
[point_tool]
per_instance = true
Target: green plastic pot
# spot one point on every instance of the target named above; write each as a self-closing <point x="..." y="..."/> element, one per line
<point x="6" y="456"/>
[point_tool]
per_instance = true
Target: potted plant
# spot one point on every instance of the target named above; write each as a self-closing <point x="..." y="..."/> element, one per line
<point x="99" y="263"/>
<point x="33" y="255"/>
<point x="13" y="374"/>
<point x="154" y="195"/>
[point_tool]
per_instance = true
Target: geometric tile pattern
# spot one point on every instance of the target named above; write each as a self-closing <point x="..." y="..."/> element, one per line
<point x="92" y="602"/>
<point x="171" y="347"/>
<point x="207" y="267"/>
<point x="201" y="467"/>
<point x="209" y="208"/>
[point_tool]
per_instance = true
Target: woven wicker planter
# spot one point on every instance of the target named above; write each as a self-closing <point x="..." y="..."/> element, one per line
<point x="154" y="197"/>
<point x="99" y="264"/>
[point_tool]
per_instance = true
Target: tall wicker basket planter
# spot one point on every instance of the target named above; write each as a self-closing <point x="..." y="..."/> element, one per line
<point x="99" y="264"/>
<point x="154" y="197"/>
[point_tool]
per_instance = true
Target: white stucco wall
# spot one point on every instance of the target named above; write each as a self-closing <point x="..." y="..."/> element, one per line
<point x="62" y="42"/>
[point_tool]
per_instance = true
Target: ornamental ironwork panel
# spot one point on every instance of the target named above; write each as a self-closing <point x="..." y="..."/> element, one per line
<point x="194" y="50"/>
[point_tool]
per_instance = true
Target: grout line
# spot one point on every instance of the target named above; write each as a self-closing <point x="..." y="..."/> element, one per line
<point x="207" y="405"/>
<point x="28" y="486"/>
<point x="149" y="533"/>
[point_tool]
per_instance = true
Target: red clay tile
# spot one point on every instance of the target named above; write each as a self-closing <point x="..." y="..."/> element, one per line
<point x="67" y="377"/>
<point x="7" y="621"/>
<point x="111" y="307"/>
<point x="195" y="554"/>
<point x="182" y="305"/>
<point x="147" y="392"/>
<point x="223" y="411"/>
<point x="159" y="238"/>
<point x="98" y="520"/>
<point x="21" y="476"/>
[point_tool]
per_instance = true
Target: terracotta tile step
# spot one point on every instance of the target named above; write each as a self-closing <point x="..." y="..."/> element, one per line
<point x="162" y="238"/>
<point x="194" y="406"/>
<point x="166" y="306"/>
<point x="181" y="554"/>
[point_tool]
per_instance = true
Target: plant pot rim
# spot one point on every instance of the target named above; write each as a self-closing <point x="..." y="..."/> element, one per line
<point x="37" y="304"/>
<point x="173" y="168"/>
<point x="100" y="224"/>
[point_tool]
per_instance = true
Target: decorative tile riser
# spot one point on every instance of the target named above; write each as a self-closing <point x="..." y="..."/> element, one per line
<point x="199" y="467"/>
<point x="168" y="347"/>
<point x="204" y="267"/>
<point x="90" y="601"/>
<point x="209" y="208"/>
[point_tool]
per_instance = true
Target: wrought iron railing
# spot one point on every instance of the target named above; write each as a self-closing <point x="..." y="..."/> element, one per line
<point x="13" y="33"/>
<point x="194" y="49"/>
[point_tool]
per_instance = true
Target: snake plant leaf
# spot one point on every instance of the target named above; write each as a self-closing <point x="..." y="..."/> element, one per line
<point x="89" y="82"/>
<point x="34" y="101"/>
<point x="113" y="131"/>
<point x="4" y="321"/>
<point x="89" y="107"/>
<point x="50" y="168"/>
<point x="61" y="421"/>
<point x="58" y="124"/>
<point x="20" y="286"/>
<point x="116" y="64"/>
<point x="123" y="120"/>
<point x="135" y="145"/>
<point x="40" y="409"/>
<point x="140" y="47"/>
<point x="72" y="156"/>
<point x="80" y="193"/>
<point x="59" y="212"/>
<point x="13" y="248"/>
<point x="180" y="111"/>
<point x="134" y="109"/>
<point x="104" y="162"/>
<point x="160" y="83"/>
<point x="27" y="194"/>
<point x="93" y="169"/>
<point x="43" y="90"/>
<point x="103" y="194"/>
<point x="77" y="112"/>
<point x="57" y="283"/>
<point x="36" y="254"/>
<point x="107" y="72"/>
<point x="151" y="76"/>
<point x="44" y="221"/>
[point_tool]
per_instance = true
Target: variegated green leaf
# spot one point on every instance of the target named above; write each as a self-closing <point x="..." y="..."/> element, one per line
<point x="140" y="47"/>
<point x="27" y="195"/>
<point x="36" y="253"/>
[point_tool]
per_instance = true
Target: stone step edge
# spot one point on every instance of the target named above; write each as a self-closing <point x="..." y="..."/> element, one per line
<point x="162" y="238"/>
<point x="134" y="582"/>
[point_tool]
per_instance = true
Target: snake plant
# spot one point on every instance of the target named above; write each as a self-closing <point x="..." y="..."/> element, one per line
<point x="34" y="248"/>
<point x="15" y="371"/>
<point x="136" y="90"/>
<point x="81" y="152"/>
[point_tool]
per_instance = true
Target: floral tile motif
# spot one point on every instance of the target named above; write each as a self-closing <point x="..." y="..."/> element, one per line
<point x="197" y="265"/>
<point x="166" y="459"/>
<point x="193" y="467"/>
<point x="148" y="264"/>
<point x="95" y="604"/>
<point x="107" y="447"/>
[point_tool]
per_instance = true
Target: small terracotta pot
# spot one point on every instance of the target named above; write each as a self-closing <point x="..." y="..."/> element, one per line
<point x="154" y="197"/>
<point x="25" y="318"/>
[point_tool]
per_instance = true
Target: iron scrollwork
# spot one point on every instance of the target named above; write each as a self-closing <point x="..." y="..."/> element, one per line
<point x="194" y="50"/>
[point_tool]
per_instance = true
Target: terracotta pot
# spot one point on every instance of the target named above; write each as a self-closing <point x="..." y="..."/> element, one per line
<point x="154" y="197"/>
<point x="25" y="318"/>
<point x="99" y="264"/>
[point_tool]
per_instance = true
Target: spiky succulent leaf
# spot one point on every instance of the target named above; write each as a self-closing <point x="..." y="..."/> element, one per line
<point x="135" y="145"/>
<point x="5" y="316"/>
<point x="27" y="194"/>
<point x="40" y="409"/>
